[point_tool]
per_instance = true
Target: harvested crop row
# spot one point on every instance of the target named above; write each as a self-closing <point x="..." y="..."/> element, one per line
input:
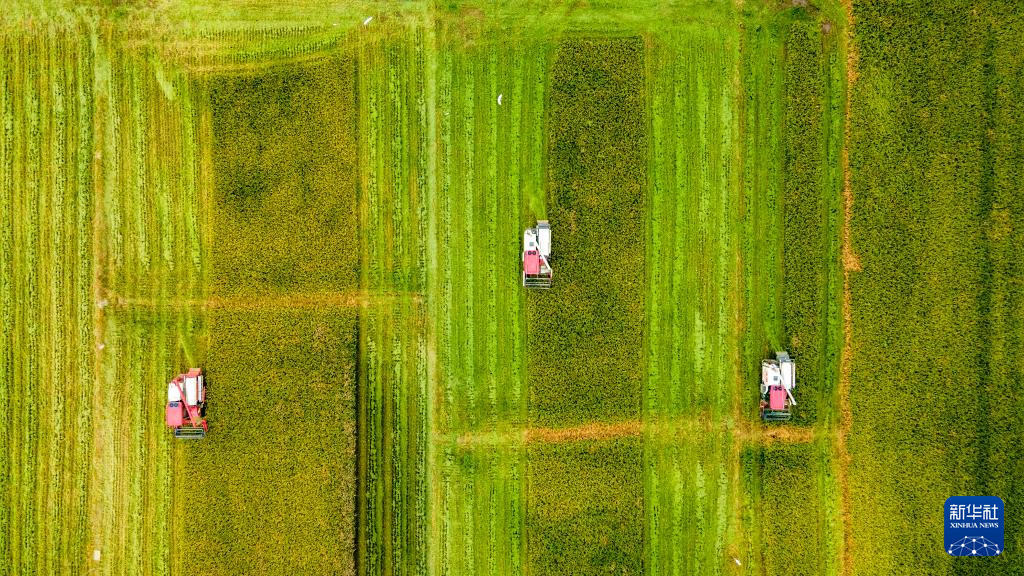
<point x="394" y="126"/>
<point x="133" y="529"/>
<point x="149" y="247"/>
<point x="489" y="163"/>
<point x="762" y="69"/>
<point x="693" y="297"/>
<point x="46" y="310"/>
<point x="695" y="182"/>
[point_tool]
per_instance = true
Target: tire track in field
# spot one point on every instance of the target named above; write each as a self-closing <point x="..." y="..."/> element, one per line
<point x="851" y="263"/>
<point x="99" y="264"/>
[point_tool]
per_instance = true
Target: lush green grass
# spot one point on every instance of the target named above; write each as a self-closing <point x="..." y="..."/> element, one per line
<point x="937" y="222"/>
<point x="285" y="174"/>
<point x="272" y="487"/>
<point x="585" y="346"/>
<point x="584" y="509"/>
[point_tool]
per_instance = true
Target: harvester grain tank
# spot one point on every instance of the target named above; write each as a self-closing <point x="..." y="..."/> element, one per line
<point x="537" y="271"/>
<point x="186" y="405"/>
<point x="778" y="380"/>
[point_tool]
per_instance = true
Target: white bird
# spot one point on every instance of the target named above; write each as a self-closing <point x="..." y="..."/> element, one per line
<point x="737" y="560"/>
<point x="367" y="21"/>
<point x="499" y="99"/>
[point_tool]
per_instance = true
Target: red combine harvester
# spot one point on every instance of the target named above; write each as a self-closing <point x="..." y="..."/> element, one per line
<point x="778" y="379"/>
<point x="537" y="272"/>
<point x="186" y="404"/>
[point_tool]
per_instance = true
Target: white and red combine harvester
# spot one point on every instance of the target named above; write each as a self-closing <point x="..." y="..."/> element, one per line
<point x="186" y="404"/>
<point x="778" y="379"/>
<point x="537" y="270"/>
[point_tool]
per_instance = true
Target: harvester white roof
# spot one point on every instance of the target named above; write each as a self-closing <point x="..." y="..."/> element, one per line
<point x="544" y="237"/>
<point x="192" y="389"/>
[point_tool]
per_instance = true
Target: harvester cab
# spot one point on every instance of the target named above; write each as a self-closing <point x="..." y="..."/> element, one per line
<point x="186" y="405"/>
<point x="778" y="379"/>
<point x="537" y="270"/>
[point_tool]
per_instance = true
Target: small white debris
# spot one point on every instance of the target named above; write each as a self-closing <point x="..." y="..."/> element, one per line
<point x="96" y="555"/>
<point x="499" y="99"/>
<point x="101" y="346"/>
<point x="737" y="561"/>
<point x="367" y="21"/>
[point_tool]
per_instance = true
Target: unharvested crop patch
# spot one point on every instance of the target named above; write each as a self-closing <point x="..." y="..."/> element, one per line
<point x="273" y="485"/>
<point x="585" y="508"/>
<point x="812" y="139"/>
<point x="794" y="499"/>
<point x="935" y="373"/>
<point x="585" y="346"/>
<point x="284" y="166"/>
<point x="278" y="470"/>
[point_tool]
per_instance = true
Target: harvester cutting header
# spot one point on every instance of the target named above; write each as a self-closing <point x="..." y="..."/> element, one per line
<point x="778" y="379"/>
<point x="186" y="403"/>
<point x="537" y="272"/>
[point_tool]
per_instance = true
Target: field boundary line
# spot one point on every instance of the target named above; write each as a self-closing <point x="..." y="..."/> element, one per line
<point x="592" y="431"/>
<point x="851" y="263"/>
<point x="341" y="299"/>
<point x="698" y="425"/>
<point x="779" y="433"/>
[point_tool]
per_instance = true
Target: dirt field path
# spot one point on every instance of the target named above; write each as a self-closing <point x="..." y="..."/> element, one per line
<point x="745" y="434"/>
<point x="347" y="299"/>
<point x="851" y="263"/>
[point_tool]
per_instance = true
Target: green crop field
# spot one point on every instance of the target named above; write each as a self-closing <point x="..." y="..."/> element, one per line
<point x="322" y="205"/>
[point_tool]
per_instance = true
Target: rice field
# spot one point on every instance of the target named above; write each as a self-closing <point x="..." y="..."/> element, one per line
<point x="322" y="204"/>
